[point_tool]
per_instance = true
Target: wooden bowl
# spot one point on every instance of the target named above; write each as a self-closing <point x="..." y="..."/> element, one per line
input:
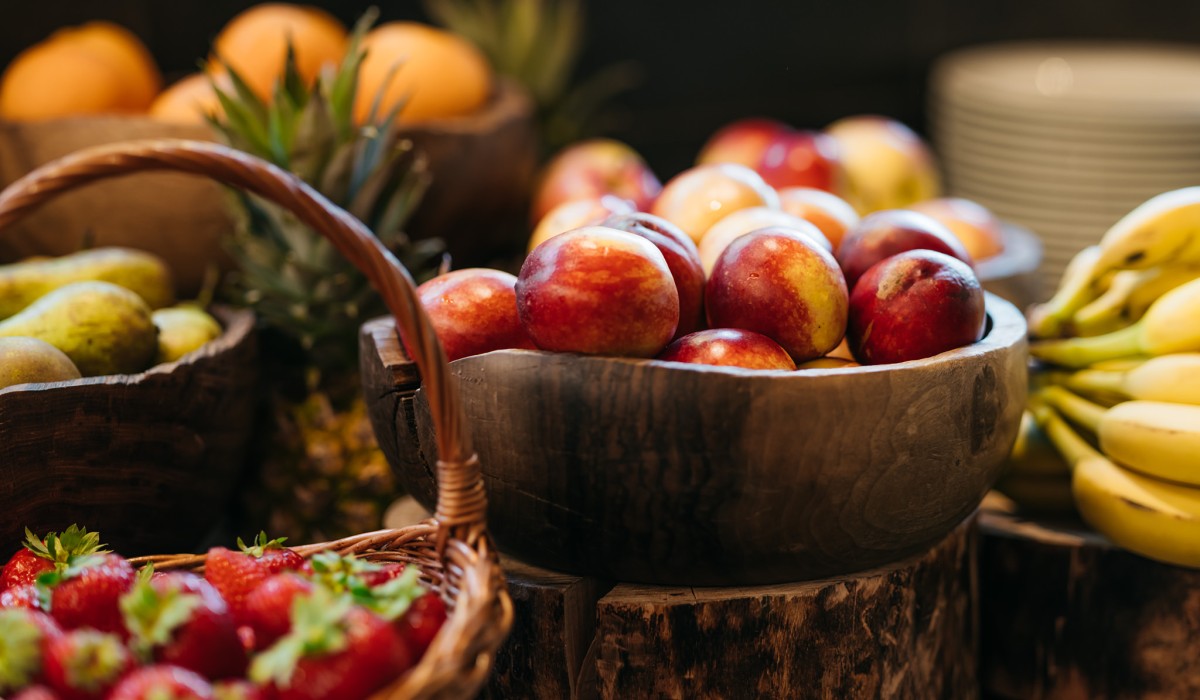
<point x="656" y="472"/>
<point x="149" y="460"/>
<point x="1015" y="274"/>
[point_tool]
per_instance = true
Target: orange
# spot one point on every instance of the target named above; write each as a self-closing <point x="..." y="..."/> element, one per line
<point x="439" y="73"/>
<point x="254" y="44"/>
<point x="59" y="79"/>
<point x="140" y="79"/>
<point x="187" y="100"/>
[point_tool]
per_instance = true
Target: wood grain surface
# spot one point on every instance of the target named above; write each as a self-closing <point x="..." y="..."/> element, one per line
<point x="907" y="630"/>
<point x="665" y="473"/>
<point x="1065" y="615"/>
<point x="149" y="460"/>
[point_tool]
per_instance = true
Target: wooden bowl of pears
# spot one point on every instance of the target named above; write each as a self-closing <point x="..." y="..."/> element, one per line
<point x="119" y="408"/>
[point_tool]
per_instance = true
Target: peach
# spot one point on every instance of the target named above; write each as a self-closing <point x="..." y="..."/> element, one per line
<point x="886" y="233"/>
<point x="973" y="224"/>
<point x="577" y="213"/>
<point x="682" y="258"/>
<point x="743" y="142"/>
<point x="474" y="311"/>
<point x="698" y="197"/>
<point x="781" y="284"/>
<point x="593" y="168"/>
<point x="827" y="211"/>
<point x="729" y="347"/>
<point x="598" y="291"/>
<point x="743" y="221"/>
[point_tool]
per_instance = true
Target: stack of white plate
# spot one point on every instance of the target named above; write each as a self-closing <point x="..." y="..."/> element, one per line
<point x="1065" y="138"/>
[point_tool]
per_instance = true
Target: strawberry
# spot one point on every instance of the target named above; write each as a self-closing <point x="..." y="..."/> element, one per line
<point x="421" y="622"/>
<point x="180" y="619"/>
<point x="163" y="682"/>
<point x="41" y="555"/>
<point x="36" y="692"/>
<point x="386" y="572"/>
<point x="336" y="649"/>
<point x="87" y="592"/>
<point x="269" y="607"/>
<point x="83" y="664"/>
<point x="26" y="596"/>
<point x="238" y="690"/>
<point x="25" y="635"/>
<point x="236" y="574"/>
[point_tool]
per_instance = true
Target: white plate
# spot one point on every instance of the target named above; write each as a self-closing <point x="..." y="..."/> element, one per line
<point x="1070" y="175"/>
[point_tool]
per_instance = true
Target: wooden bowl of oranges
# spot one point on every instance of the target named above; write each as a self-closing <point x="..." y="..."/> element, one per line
<point x="97" y="83"/>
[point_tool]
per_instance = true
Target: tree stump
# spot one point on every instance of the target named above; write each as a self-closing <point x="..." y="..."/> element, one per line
<point x="1066" y="614"/>
<point x="908" y="630"/>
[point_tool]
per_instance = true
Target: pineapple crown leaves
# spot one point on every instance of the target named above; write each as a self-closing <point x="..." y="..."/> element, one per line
<point x="260" y="545"/>
<point x="318" y="628"/>
<point x="152" y="616"/>
<point x="20" y="650"/>
<point x="72" y="544"/>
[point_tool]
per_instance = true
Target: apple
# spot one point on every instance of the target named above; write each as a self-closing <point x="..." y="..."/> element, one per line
<point x="779" y="283"/>
<point x="802" y="158"/>
<point x="578" y="213"/>
<point x="885" y="163"/>
<point x="743" y="142"/>
<point x="729" y="347"/>
<point x="913" y="305"/>
<point x="886" y="233"/>
<point x="593" y="168"/>
<point x="598" y="291"/>
<point x="743" y="221"/>
<point x="474" y="311"/>
<point x="698" y="197"/>
<point x="827" y="211"/>
<point x="682" y="258"/>
<point x="973" y="224"/>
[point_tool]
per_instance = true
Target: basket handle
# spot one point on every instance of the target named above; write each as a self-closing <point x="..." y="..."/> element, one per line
<point x="461" y="502"/>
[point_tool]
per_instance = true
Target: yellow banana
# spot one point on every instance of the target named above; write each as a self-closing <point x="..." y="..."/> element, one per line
<point x="1032" y="455"/>
<point x="1106" y="313"/>
<point x="1076" y="288"/>
<point x="1157" y="282"/>
<point x="1165" y="228"/>
<point x="1039" y="494"/>
<point x="1155" y="438"/>
<point x="1171" y="325"/>
<point x="1153" y="518"/>
<point x="1173" y="378"/>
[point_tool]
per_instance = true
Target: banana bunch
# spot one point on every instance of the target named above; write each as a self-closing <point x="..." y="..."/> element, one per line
<point x="1114" y="412"/>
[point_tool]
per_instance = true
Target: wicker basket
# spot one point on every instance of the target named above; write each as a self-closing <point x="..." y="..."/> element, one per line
<point x="453" y="548"/>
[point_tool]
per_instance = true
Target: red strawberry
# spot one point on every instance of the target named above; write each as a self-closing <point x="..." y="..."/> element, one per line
<point x="84" y="664"/>
<point x="335" y="650"/>
<point x="162" y="682"/>
<point x="180" y="619"/>
<point x="26" y="596"/>
<point x="25" y="636"/>
<point x="269" y="607"/>
<point x="386" y="572"/>
<point x="238" y="690"/>
<point x="86" y="594"/>
<point x="421" y="622"/>
<point x="236" y="574"/>
<point x="36" y="692"/>
<point x="42" y="555"/>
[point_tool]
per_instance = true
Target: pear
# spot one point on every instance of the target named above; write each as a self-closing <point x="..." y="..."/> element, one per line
<point x="182" y="329"/>
<point x="25" y="282"/>
<point x="103" y="328"/>
<point x="29" y="360"/>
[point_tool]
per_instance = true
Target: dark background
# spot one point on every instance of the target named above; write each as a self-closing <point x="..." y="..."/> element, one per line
<point x="704" y="63"/>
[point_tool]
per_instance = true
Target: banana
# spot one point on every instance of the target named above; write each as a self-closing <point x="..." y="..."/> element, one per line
<point x="1157" y="282"/>
<point x="1077" y="287"/>
<point x="1032" y="455"/>
<point x="1038" y="494"/>
<point x="1165" y="228"/>
<point x="1154" y="438"/>
<point x="1075" y="408"/>
<point x="1172" y="378"/>
<point x="1171" y="325"/>
<point x="1106" y="313"/>
<point x="1153" y="518"/>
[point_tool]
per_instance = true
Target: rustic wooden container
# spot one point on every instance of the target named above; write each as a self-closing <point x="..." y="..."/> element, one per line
<point x="655" y="472"/>
<point x="453" y="549"/>
<point x="151" y="460"/>
<point x="1015" y="273"/>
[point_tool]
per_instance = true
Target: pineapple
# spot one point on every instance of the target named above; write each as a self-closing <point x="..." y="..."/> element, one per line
<point x="322" y="475"/>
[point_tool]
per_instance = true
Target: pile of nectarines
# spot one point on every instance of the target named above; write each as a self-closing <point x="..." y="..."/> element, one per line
<point x="723" y="266"/>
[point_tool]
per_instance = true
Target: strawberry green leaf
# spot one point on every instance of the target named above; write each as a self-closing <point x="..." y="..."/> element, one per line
<point x="20" y="650"/>
<point x="317" y="630"/>
<point x="152" y="617"/>
<point x="392" y="599"/>
<point x="261" y="544"/>
<point x="95" y="661"/>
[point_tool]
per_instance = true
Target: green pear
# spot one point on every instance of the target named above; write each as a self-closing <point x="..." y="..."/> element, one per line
<point x="182" y="329"/>
<point x="29" y="360"/>
<point x="25" y="282"/>
<point x="103" y="328"/>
